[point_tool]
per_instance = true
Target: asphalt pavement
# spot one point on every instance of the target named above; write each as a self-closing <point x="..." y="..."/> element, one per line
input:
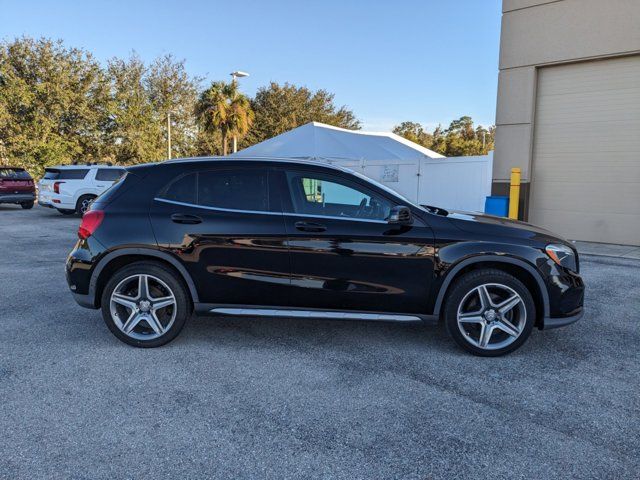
<point x="278" y="398"/>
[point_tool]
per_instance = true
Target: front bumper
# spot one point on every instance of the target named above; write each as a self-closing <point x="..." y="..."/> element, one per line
<point x="557" y="322"/>
<point x="17" y="197"/>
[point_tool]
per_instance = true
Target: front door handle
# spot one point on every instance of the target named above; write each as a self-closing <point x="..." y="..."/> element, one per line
<point x="186" y="219"/>
<point x="310" y="227"/>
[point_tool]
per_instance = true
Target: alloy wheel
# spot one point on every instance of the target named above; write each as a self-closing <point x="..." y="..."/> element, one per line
<point x="491" y="316"/>
<point x="143" y="307"/>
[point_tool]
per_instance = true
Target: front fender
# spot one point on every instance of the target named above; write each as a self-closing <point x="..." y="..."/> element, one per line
<point x="450" y="260"/>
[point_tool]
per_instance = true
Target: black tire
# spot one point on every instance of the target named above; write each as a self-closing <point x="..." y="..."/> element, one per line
<point x="171" y="280"/>
<point x="463" y="289"/>
<point x="27" y="205"/>
<point x="83" y="204"/>
<point x="66" y="212"/>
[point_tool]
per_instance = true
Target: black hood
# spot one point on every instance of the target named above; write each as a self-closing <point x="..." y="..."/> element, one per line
<point x="478" y="223"/>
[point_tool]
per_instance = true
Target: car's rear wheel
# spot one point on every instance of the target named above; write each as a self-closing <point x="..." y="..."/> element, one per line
<point x="489" y="312"/>
<point x="145" y="304"/>
<point x="27" y="205"/>
<point x="83" y="204"/>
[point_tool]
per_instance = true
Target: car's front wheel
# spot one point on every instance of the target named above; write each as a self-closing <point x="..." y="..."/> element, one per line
<point x="145" y="304"/>
<point x="27" y="205"/>
<point x="489" y="312"/>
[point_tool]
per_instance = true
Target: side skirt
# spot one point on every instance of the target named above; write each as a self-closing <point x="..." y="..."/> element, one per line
<point x="287" y="312"/>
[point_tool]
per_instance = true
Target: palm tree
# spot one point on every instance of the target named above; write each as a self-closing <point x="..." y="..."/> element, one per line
<point x="221" y="107"/>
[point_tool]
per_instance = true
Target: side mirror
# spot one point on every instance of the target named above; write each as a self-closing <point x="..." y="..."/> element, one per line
<point x="400" y="215"/>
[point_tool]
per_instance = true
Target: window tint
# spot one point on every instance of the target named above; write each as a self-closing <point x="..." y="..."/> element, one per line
<point x="240" y="189"/>
<point x="66" y="174"/>
<point x="325" y="195"/>
<point x="109" y="174"/>
<point x="14" y="173"/>
<point x="182" y="189"/>
<point x="50" y="174"/>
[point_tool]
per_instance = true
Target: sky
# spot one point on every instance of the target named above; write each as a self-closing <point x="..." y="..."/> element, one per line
<point x="429" y="61"/>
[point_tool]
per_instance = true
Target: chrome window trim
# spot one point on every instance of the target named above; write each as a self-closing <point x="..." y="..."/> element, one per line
<point x="333" y="217"/>
<point x="263" y="212"/>
<point x="219" y="209"/>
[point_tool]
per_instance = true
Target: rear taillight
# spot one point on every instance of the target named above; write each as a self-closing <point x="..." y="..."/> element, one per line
<point x="90" y="223"/>
<point x="56" y="187"/>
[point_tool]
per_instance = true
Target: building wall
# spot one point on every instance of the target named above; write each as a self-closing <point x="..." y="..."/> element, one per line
<point x="537" y="33"/>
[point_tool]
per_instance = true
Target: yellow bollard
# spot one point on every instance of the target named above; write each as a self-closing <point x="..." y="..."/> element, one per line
<point x="514" y="193"/>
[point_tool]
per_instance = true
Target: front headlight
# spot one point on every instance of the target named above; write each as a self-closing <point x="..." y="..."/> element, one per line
<point x="562" y="255"/>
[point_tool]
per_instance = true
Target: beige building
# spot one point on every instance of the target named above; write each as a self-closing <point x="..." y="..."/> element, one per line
<point x="568" y="115"/>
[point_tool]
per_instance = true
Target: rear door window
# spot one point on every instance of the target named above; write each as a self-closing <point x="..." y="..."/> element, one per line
<point x="109" y="174"/>
<point x="183" y="189"/>
<point x="235" y="189"/>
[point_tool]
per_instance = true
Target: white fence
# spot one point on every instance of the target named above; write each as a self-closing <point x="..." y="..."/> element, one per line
<point x="457" y="183"/>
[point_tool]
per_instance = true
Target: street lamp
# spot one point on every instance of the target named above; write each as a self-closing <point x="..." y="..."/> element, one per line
<point x="234" y="76"/>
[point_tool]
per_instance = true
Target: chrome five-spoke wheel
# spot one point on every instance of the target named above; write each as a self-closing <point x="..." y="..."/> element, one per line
<point x="143" y="307"/>
<point x="491" y="316"/>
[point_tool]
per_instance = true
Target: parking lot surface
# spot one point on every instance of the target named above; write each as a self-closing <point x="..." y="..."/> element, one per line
<point x="262" y="398"/>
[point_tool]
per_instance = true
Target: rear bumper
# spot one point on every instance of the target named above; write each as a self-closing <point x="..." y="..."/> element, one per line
<point x="556" y="322"/>
<point x="17" y="197"/>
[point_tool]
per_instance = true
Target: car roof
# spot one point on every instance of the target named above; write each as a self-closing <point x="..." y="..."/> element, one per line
<point x="76" y="167"/>
<point x="296" y="161"/>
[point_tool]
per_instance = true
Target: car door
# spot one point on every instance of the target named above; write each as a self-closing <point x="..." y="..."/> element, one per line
<point x="222" y="224"/>
<point x="344" y="254"/>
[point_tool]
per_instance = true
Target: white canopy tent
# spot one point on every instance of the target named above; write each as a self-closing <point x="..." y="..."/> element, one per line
<point x="418" y="173"/>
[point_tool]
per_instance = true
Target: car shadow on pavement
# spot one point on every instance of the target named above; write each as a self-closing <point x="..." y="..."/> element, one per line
<point x="307" y="333"/>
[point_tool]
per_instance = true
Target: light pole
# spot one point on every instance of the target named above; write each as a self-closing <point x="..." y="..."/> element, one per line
<point x="169" y="136"/>
<point x="234" y="75"/>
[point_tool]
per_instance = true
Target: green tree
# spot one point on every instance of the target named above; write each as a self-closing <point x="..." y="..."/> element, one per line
<point x="460" y="139"/>
<point x="222" y="109"/>
<point x="134" y="132"/>
<point x="173" y="94"/>
<point x="279" y="108"/>
<point x="415" y="132"/>
<point x="52" y="104"/>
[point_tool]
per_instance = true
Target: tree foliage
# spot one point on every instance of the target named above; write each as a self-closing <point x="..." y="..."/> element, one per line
<point x="222" y="110"/>
<point x="460" y="139"/>
<point x="52" y="103"/>
<point x="59" y="105"/>
<point x="279" y="108"/>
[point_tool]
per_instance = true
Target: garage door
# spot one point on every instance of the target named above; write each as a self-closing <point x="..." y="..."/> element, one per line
<point x="586" y="153"/>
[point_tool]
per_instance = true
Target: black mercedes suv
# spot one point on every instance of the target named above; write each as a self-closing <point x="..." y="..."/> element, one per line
<point x="276" y="237"/>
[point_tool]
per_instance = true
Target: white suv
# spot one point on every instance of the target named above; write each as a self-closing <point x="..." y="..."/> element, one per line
<point x="71" y="188"/>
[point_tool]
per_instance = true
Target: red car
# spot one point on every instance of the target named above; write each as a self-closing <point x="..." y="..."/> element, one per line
<point x="16" y="186"/>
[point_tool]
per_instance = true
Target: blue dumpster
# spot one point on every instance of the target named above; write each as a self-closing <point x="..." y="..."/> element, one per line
<point x="497" y="205"/>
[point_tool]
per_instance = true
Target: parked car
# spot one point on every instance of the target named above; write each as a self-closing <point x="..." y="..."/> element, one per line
<point x="16" y="186"/>
<point x="71" y="188"/>
<point x="303" y="239"/>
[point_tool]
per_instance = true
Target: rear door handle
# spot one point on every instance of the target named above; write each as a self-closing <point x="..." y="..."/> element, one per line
<point x="310" y="227"/>
<point x="186" y="219"/>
